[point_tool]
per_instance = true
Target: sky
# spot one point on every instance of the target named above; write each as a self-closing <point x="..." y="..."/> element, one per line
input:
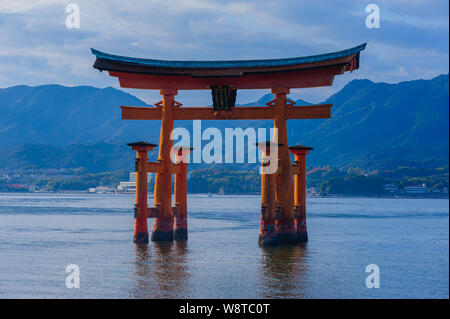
<point x="412" y="41"/>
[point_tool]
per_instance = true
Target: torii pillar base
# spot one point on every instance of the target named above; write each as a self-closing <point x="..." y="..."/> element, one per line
<point x="162" y="229"/>
<point x="140" y="238"/>
<point x="286" y="232"/>
<point x="302" y="237"/>
<point x="180" y="232"/>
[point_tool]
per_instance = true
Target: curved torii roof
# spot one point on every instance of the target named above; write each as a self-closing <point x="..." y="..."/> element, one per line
<point x="308" y="71"/>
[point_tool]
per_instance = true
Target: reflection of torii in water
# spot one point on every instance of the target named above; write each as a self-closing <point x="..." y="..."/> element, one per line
<point x="283" y="213"/>
<point x="162" y="274"/>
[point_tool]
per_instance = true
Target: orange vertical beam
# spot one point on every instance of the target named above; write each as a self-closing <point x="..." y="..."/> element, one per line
<point x="163" y="224"/>
<point x="300" y="190"/>
<point x="140" y="208"/>
<point x="286" y="230"/>
<point x="267" y="232"/>
<point x="180" y="229"/>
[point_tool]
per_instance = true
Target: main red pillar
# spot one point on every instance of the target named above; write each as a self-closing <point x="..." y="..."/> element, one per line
<point x="140" y="208"/>
<point x="163" y="224"/>
<point x="286" y="230"/>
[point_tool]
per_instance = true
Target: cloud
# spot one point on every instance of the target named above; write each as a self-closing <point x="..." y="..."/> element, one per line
<point x="37" y="48"/>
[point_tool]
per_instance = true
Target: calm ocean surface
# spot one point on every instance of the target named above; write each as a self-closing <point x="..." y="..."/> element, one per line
<point x="40" y="234"/>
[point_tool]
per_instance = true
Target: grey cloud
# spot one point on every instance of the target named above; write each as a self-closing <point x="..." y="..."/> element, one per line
<point x="37" y="48"/>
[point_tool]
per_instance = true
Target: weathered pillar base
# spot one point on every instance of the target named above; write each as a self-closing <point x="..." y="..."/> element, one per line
<point x="287" y="232"/>
<point x="162" y="229"/>
<point x="302" y="232"/>
<point x="302" y="237"/>
<point x="267" y="235"/>
<point x="180" y="232"/>
<point x="140" y="238"/>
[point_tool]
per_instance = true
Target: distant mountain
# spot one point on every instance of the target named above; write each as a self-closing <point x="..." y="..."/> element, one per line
<point x="93" y="158"/>
<point x="377" y="123"/>
<point x="58" y="115"/>
<point x="269" y="97"/>
<point x="373" y="125"/>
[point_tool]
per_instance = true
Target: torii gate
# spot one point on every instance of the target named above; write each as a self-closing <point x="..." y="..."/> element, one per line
<point x="283" y="214"/>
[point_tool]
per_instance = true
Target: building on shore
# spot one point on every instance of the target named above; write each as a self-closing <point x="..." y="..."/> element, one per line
<point x="127" y="187"/>
<point x="418" y="189"/>
<point x="313" y="191"/>
<point x="391" y="188"/>
<point x="102" y="190"/>
<point x="130" y="185"/>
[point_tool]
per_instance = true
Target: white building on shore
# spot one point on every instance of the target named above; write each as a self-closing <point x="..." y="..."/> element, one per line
<point x="130" y="185"/>
<point x="391" y="188"/>
<point x="102" y="190"/>
<point x="418" y="189"/>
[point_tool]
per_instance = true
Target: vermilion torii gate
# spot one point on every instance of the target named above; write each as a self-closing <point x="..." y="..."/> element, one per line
<point x="283" y="214"/>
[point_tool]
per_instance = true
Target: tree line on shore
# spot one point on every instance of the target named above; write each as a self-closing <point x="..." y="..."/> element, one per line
<point x="325" y="180"/>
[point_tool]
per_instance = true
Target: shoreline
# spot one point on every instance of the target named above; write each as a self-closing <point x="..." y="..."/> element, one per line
<point x="400" y="196"/>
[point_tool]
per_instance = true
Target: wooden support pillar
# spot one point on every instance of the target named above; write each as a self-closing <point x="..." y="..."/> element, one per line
<point x="163" y="224"/>
<point x="140" y="208"/>
<point x="267" y="232"/>
<point x="286" y="230"/>
<point x="180" y="232"/>
<point x="300" y="152"/>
